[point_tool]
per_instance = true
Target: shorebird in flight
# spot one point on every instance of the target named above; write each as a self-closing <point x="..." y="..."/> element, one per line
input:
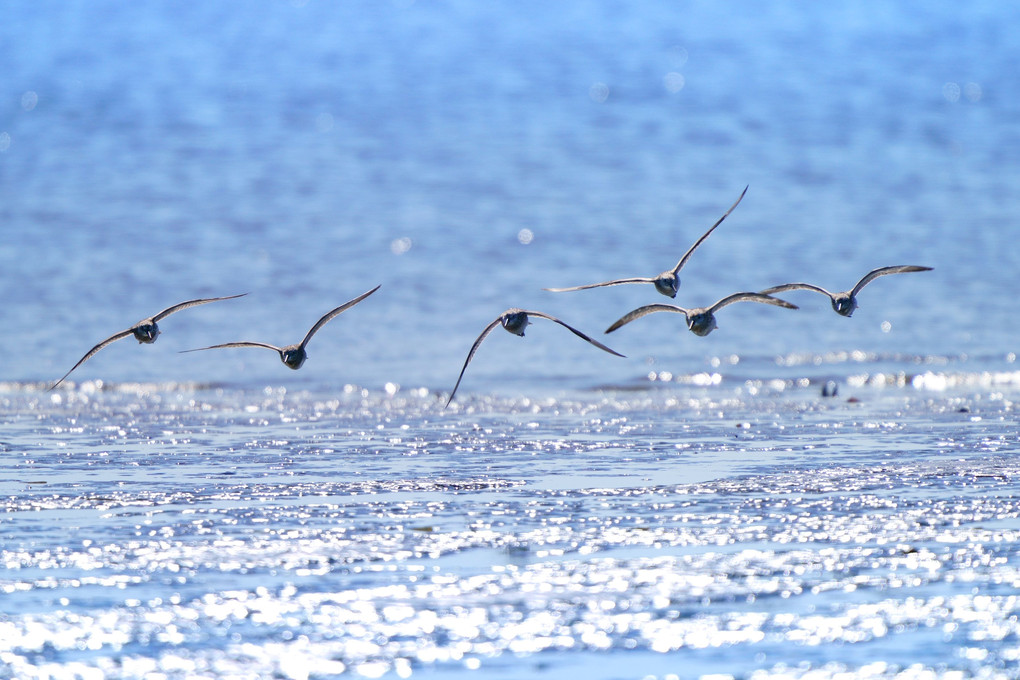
<point x="293" y="356"/>
<point x="515" y="321"/>
<point x="700" y="320"/>
<point x="145" y="331"/>
<point x="846" y="302"/>
<point x="668" y="282"/>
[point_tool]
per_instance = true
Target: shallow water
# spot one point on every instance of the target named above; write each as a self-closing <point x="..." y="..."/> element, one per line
<point x="184" y="530"/>
<point x="697" y="508"/>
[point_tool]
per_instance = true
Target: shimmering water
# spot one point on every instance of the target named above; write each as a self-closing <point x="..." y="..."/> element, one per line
<point x="695" y="509"/>
<point x="182" y="531"/>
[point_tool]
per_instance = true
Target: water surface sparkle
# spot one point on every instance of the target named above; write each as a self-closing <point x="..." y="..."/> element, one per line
<point x="236" y="533"/>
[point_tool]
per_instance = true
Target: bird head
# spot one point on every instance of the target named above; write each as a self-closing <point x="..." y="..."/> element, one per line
<point x="844" y="304"/>
<point x="702" y="323"/>
<point x="293" y="357"/>
<point x="515" y="322"/>
<point x="146" y="332"/>
<point x="667" y="283"/>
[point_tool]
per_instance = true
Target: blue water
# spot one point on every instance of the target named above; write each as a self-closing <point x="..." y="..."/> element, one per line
<point x="695" y="508"/>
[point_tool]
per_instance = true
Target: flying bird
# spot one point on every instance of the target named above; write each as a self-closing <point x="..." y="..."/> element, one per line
<point x="700" y="320"/>
<point x="293" y="356"/>
<point x="668" y="282"/>
<point x="145" y="331"/>
<point x="515" y="321"/>
<point x="846" y="302"/>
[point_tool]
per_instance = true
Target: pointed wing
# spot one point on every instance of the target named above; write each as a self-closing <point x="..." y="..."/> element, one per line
<point x="471" y="354"/>
<point x="882" y="271"/>
<point x="617" y="282"/>
<point x="330" y="315"/>
<point x="91" y="353"/>
<point x="690" y="251"/>
<point x="750" y="297"/>
<point x="796" y="286"/>
<point x="576" y="332"/>
<point x="234" y="344"/>
<point x="191" y="303"/>
<point x="644" y="311"/>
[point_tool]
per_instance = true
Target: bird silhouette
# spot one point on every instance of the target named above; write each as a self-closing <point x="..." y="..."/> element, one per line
<point x="700" y="320"/>
<point x="293" y="356"/>
<point x="515" y="321"/>
<point x="668" y="282"/>
<point x="846" y="302"/>
<point x="145" y="331"/>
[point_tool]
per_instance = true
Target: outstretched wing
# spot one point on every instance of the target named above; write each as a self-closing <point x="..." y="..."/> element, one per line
<point x="576" y="332"/>
<point x="644" y="311"/>
<point x="91" y="353"/>
<point x="882" y="271"/>
<point x="234" y="344"/>
<point x="191" y="303"/>
<point x="690" y="251"/>
<point x="471" y="354"/>
<point x="617" y="282"/>
<point x="750" y="297"/>
<point x="797" y="286"/>
<point x="330" y="315"/>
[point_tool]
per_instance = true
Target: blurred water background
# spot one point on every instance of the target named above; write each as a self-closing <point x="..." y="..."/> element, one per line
<point x="464" y="156"/>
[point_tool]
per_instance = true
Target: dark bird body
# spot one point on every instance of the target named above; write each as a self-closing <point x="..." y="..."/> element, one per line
<point x="668" y="282"/>
<point x="293" y="356"/>
<point x="700" y="320"/>
<point x="844" y="303"/>
<point x="145" y="331"/>
<point x="515" y="321"/>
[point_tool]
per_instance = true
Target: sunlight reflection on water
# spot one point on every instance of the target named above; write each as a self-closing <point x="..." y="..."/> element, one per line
<point x="374" y="534"/>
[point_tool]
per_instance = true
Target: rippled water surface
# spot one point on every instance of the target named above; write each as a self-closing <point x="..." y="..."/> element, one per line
<point x="184" y="531"/>
<point x="696" y="508"/>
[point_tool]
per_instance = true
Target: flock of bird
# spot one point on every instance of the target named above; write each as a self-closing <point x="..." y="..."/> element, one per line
<point x="700" y="320"/>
